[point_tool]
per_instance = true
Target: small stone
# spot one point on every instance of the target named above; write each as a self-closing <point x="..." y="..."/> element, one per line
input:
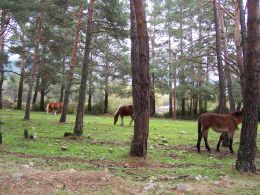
<point x="31" y="164"/>
<point x="164" y="140"/>
<point x="183" y="132"/>
<point x="17" y="176"/>
<point x="64" y="148"/>
<point x="183" y="187"/>
<point x="150" y="186"/>
<point x="206" y="177"/>
<point x="222" y="173"/>
<point x="25" y="166"/>
<point x="199" y="177"/>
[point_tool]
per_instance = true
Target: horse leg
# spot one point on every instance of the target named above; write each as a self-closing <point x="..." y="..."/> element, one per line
<point x="220" y="140"/>
<point x="132" y="118"/>
<point x="206" y="140"/>
<point x="231" y="135"/>
<point x="199" y="140"/>
<point x="122" y="120"/>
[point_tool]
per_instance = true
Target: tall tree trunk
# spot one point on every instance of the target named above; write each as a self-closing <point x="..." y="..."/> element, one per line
<point x="3" y="25"/>
<point x="106" y="85"/>
<point x="226" y="141"/>
<point x="140" y="79"/>
<point x="238" y="44"/>
<point x="222" y="96"/>
<point x="174" y="92"/>
<point x="227" y="65"/>
<point x="152" y="90"/>
<point x="182" y="79"/>
<point x="90" y="91"/>
<point x="170" y="79"/>
<point x="42" y="91"/>
<point x="247" y="147"/>
<point x="61" y="99"/>
<point x="20" y="89"/>
<point x="63" y="80"/>
<point x="35" y="59"/>
<point x="37" y="85"/>
<point x="78" y="129"/>
<point x="72" y="65"/>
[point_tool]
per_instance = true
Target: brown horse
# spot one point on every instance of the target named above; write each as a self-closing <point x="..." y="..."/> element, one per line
<point x="124" y="111"/>
<point x="221" y="123"/>
<point x="54" y="107"/>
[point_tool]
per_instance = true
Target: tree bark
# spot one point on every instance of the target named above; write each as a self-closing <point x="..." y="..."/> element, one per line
<point x="72" y="65"/>
<point x="78" y="129"/>
<point x="222" y="96"/>
<point x="247" y="147"/>
<point x="140" y="79"/>
<point x="35" y="59"/>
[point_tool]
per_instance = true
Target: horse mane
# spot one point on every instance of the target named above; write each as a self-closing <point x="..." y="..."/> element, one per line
<point x="116" y="113"/>
<point x="47" y="107"/>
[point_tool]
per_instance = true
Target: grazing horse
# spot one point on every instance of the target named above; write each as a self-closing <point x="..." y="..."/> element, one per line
<point x="221" y="123"/>
<point x="54" y="107"/>
<point x="124" y="111"/>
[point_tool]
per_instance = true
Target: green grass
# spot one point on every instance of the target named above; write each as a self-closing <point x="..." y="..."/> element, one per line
<point x="171" y="148"/>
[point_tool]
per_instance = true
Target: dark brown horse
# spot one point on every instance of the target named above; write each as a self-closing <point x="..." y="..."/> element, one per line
<point x="221" y="123"/>
<point x="54" y="107"/>
<point x="124" y="111"/>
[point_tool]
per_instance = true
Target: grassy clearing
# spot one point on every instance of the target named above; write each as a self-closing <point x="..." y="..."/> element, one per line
<point x="172" y="156"/>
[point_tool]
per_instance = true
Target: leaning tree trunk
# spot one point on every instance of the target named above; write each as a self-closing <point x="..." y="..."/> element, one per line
<point x="247" y="147"/>
<point x="78" y="129"/>
<point x="72" y="65"/>
<point x="35" y="59"/>
<point x="140" y="78"/>
<point x="222" y="96"/>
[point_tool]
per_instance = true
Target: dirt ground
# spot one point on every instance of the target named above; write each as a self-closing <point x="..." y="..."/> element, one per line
<point x="33" y="181"/>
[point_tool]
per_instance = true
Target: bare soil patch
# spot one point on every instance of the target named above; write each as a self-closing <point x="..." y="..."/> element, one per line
<point x="66" y="181"/>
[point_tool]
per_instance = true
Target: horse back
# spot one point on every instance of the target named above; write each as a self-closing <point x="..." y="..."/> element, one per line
<point x="218" y="122"/>
<point x="126" y="110"/>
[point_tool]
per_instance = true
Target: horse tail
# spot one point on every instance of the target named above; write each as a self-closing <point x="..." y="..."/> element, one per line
<point x="199" y="126"/>
<point x="116" y="116"/>
<point x="47" y="108"/>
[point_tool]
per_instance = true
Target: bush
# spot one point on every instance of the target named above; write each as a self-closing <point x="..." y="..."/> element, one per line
<point x="97" y="108"/>
<point x="8" y="103"/>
